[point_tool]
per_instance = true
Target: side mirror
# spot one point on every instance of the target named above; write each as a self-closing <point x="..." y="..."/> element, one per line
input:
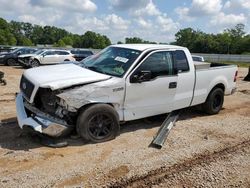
<point x="142" y="76"/>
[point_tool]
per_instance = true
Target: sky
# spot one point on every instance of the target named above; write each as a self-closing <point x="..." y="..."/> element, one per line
<point x="152" y="20"/>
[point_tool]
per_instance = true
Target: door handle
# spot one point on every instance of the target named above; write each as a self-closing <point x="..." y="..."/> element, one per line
<point x="172" y="85"/>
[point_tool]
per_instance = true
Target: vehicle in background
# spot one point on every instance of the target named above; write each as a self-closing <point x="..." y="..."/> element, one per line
<point x="198" y="58"/>
<point x="45" y="57"/>
<point x="121" y="83"/>
<point x="6" y="49"/>
<point x="80" y="54"/>
<point x="11" y="58"/>
<point x="24" y="60"/>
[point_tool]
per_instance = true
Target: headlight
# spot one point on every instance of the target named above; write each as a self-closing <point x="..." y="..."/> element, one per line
<point x="1" y="56"/>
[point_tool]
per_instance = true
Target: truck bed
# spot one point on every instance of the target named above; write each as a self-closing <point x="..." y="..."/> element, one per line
<point x="209" y="75"/>
<point x="205" y="65"/>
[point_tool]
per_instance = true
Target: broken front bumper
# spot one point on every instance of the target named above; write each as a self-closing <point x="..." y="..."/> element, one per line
<point x="39" y="121"/>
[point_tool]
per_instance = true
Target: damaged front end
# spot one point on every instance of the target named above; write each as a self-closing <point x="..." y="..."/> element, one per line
<point x="24" y="61"/>
<point x="29" y="116"/>
<point x="44" y="114"/>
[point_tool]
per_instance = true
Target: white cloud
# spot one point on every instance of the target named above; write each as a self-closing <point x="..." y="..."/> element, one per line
<point x="205" y="7"/>
<point x="199" y="8"/>
<point x="183" y="14"/>
<point x="125" y="5"/>
<point x="237" y="4"/>
<point x="143" y="23"/>
<point x="166" y="24"/>
<point x="150" y="10"/>
<point x="227" y="20"/>
<point x="73" y="5"/>
<point x="116" y="22"/>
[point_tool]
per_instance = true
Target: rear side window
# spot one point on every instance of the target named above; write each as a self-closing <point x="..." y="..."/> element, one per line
<point x="62" y="53"/>
<point x="181" y="61"/>
<point x="159" y="63"/>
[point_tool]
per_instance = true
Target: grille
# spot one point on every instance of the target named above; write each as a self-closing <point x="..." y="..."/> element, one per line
<point x="26" y="87"/>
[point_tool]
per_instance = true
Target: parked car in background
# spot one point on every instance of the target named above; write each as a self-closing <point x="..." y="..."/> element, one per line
<point x="45" y="57"/>
<point x="198" y="58"/>
<point x="11" y="58"/>
<point x="6" y="49"/>
<point x="24" y="60"/>
<point x="80" y="54"/>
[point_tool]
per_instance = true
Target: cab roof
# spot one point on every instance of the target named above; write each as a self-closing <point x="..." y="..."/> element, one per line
<point x="142" y="47"/>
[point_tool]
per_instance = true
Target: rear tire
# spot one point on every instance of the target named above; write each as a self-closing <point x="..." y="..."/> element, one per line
<point x="11" y="62"/>
<point x="98" y="123"/>
<point x="214" y="101"/>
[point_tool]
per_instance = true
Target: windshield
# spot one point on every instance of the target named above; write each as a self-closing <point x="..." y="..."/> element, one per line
<point x="113" y="61"/>
<point x="16" y="50"/>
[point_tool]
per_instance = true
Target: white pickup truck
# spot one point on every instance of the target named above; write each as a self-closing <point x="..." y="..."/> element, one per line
<point x="120" y="83"/>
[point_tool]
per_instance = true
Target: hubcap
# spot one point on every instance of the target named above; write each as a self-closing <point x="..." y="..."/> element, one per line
<point x="34" y="64"/>
<point x="11" y="62"/>
<point x="217" y="101"/>
<point x="100" y="126"/>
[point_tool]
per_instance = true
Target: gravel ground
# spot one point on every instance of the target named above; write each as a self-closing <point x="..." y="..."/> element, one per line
<point x="201" y="150"/>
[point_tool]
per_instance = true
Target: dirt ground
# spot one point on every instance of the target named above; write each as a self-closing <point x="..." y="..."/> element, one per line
<point x="200" y="151"/>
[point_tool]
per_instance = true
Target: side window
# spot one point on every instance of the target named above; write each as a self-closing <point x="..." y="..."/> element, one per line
<point x="49" y="53"/>
<point x="159" y="63"/>
<point x="181" y="61"/>
<point x="62" y="53"/>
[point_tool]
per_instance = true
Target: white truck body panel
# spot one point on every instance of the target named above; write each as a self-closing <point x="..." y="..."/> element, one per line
<point x="130" y="100"/>
<point x="206" y="79"/>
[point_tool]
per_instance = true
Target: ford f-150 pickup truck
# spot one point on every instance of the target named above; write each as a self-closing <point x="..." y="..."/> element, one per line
<point x="120" y="83"/>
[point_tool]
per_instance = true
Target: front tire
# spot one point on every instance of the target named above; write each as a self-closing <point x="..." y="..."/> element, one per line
<point x="98" y="123"/>
<point x="34" y="63"/>
<point x="214" y="101"/>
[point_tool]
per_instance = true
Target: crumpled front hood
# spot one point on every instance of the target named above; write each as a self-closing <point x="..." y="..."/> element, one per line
<point x="62" y="76"/>
<point x="26" y="55"/>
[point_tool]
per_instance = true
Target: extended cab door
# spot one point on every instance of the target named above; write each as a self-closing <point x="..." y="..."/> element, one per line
<point x="151" y="87"/>
<point x="186" y="78"/>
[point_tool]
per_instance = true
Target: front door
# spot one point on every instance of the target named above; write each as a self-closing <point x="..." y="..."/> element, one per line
<point x="48" y="57"/>
<point x="155" y="95"/>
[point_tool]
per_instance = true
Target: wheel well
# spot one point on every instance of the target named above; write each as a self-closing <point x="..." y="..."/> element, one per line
<point x="221" y="86"/>
<point x="36" y="60"/>
<point x="91" y="104"/>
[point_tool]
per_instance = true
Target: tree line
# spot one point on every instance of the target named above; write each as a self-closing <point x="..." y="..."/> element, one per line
<point x="27" y="34"/>
<point x="230" y="41"/>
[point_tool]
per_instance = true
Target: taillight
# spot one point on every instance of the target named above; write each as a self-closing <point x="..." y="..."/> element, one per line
<point x="235" y="76"/>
